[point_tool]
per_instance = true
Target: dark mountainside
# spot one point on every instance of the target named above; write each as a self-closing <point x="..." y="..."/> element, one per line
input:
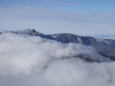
<point x="105" y="47"/>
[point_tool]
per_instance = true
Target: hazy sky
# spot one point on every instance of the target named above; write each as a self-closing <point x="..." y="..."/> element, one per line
<point x="82" y="17"/>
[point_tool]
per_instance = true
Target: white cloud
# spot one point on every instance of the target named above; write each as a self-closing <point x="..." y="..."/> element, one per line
<point x="33" y="61"/>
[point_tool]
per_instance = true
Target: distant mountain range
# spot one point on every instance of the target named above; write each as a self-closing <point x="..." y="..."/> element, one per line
<point x="105" y="47"/>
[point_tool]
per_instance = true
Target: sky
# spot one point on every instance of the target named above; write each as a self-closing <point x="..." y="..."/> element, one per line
<point x="81" y="17"/>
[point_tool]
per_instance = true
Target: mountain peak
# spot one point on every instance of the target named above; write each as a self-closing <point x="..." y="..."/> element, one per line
<point x="31" y="32"/>
<point x="25" y="31"/>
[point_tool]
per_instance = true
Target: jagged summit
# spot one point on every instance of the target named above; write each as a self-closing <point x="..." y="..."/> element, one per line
<point x="32" y="32"/>
<point x="26" y="30"/>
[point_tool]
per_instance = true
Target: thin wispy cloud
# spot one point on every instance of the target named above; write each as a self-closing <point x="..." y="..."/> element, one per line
<point x="57" y="16"/>
<point x="49" y="20"/>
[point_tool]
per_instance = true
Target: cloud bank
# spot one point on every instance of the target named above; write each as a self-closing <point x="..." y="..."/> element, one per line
<point x="33" y="61"/>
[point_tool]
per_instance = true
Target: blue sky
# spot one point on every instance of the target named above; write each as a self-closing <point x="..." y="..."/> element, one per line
<point x="82" y="17"/>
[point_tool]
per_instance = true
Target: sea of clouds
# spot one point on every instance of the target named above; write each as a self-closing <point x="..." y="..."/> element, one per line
<point x="33" y="61"/>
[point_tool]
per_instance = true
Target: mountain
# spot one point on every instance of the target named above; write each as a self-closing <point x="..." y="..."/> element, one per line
<point x="105" y="47"/>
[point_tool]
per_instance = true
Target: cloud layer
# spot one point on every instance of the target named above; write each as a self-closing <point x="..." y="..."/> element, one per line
<point x="33" y="61"/>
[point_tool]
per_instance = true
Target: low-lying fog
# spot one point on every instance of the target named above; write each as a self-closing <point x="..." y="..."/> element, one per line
<point x="34" y="61"/>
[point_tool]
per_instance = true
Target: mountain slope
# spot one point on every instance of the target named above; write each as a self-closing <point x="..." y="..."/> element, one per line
<point x="104" y="46"/>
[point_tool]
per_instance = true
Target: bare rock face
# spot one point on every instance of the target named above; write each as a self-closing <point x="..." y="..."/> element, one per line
<point x="105" y="46"/>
